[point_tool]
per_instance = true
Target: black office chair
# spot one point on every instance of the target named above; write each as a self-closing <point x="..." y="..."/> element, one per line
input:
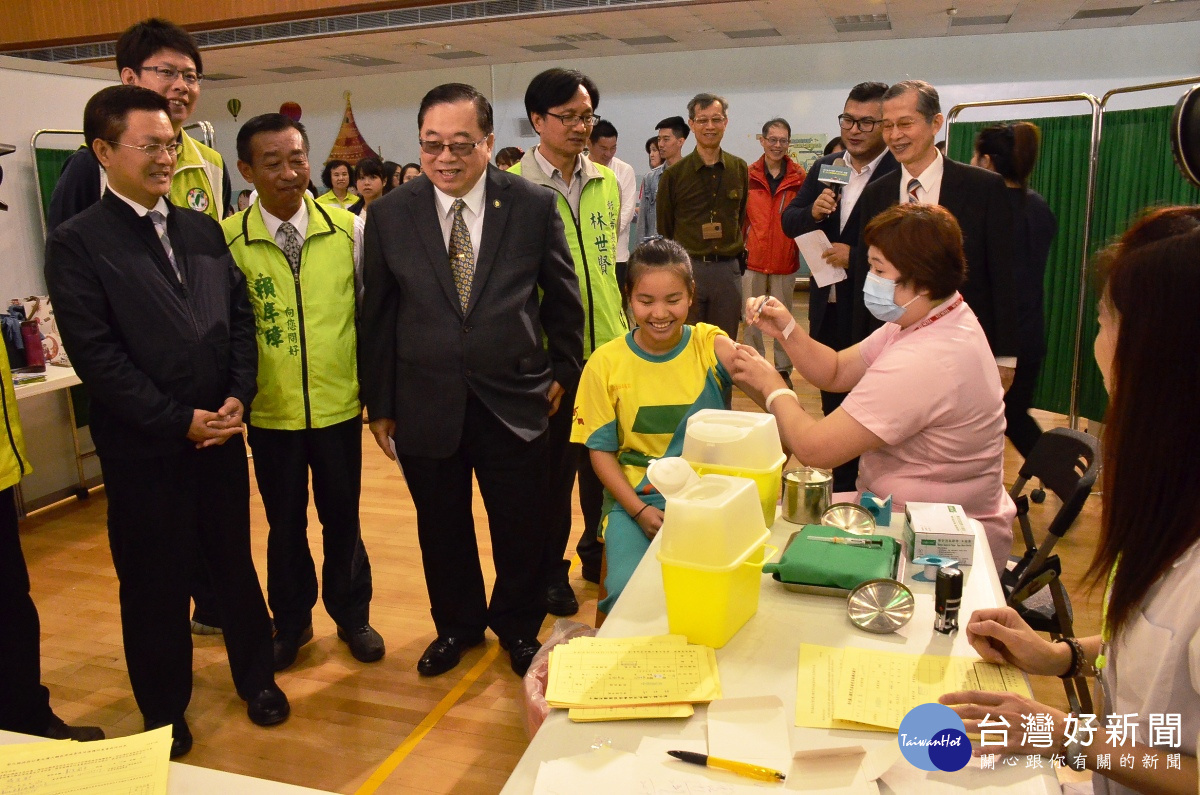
<point x="1067" y="463"/>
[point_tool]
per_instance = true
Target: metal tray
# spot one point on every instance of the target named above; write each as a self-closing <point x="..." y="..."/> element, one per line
<point x="824" y="590"/>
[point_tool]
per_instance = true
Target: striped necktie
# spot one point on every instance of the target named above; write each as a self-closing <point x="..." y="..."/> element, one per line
<point x="914" y="185"/>
<point x="462" y="255"/>
<point x="160" y="226"/>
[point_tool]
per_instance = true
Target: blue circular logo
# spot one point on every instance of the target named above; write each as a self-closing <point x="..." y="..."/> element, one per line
<point x="932" y="737"/>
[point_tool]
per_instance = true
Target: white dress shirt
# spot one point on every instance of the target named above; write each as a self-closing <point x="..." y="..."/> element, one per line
<point x="627" y="183"/>
<point x="931" y="182"/>
<point x="159" y="206"/>
<point x="300" y="222"/>
<point x="472" y="214"/>
<point x="572" y="192"/>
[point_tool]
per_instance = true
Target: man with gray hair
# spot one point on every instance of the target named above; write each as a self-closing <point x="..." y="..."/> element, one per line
<point x="912" y="118"/>
<point x="702" y="205"/>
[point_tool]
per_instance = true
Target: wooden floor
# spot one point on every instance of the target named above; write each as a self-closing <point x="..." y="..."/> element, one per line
<point x="354" y="728"/>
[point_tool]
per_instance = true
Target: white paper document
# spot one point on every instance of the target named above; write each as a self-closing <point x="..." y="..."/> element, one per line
<point x="751" y="730"/>
<point x="813" y="246"/>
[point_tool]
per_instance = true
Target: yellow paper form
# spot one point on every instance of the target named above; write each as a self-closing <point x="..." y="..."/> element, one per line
<point x="652" y="712"/>
<point x="626" y="672"/>
<point x="134" y="765"/>
<point x="874" y="690"/>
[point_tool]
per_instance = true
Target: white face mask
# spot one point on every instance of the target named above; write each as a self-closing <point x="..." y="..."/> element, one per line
<point x="879" y="294"/>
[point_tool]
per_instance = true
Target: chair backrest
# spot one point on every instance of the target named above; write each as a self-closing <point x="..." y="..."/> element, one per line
<point x="1067" y="463"/>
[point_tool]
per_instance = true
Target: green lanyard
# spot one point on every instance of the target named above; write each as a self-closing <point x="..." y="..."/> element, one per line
<point x="1105" y="629"/>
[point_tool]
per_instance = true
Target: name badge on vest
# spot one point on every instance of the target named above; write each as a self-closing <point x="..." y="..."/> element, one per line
<point x="711" y="231"/>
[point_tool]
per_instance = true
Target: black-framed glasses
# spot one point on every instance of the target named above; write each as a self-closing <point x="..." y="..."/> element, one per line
<point x="169" y="73"/>
<point x="174" y="149"/>
<point x="848" y="122"/>
<point x="457" y="148"/>
<point x="572" y="119"/>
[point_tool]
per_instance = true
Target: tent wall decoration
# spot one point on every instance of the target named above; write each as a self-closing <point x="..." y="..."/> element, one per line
<point x="349" y="144"/>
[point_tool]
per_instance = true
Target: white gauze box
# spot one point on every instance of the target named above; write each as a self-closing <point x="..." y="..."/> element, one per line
<point x="938" y="528"/>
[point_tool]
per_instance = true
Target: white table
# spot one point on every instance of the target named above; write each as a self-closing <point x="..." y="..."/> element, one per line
<point x="190" y="780"/>
<point x="58" y="378"/>
<point x="762" y="659"/>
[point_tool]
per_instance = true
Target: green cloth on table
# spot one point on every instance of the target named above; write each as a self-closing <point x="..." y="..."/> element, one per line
<point x="834" y="565"/>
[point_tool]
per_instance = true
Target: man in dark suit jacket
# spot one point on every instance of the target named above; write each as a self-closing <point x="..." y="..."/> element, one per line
<point x="911" y="119"/>
<point x="465" y="269"/>
<point x="155" y="315"/>
<point x="818" y="207"/>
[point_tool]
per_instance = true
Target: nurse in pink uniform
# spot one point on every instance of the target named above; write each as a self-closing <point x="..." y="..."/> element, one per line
<point x="925" y="412"/>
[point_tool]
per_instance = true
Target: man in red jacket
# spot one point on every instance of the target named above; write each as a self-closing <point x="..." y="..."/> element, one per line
<point x="772" y="256"/>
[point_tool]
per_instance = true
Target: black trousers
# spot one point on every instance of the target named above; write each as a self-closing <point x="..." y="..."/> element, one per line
<point x="24" y="702"/>
<point x="830" y="332"/>
<point x="1022" y="429"/>
<point x="718" y="295"/>
<point x="567" y="460"/>
<point x="160" y="512"/>
<point x="282" y="461"/>
<point x="508" y="470"/>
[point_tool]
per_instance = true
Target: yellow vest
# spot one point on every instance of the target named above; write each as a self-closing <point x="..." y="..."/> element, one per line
<point x="198" y="181"/>
<point x="14" y="463"/>
<point x="305" y="325"/>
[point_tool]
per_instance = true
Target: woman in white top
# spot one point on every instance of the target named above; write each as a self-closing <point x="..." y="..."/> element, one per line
<point x="1149" y="549"/>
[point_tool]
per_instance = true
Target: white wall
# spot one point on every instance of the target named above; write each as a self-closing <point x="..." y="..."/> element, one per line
<point x="806" y="84"/>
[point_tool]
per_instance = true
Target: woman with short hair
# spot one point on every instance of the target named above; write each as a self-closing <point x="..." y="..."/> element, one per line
<point x="925" y="412"/>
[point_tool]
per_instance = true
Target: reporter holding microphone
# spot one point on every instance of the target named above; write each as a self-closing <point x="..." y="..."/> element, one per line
<point x="818" y="206"/>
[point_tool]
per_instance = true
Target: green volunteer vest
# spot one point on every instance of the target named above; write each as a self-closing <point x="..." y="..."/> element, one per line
<point x="307" y="364"/>
<point x="593" y="243"/>
<point x="198" y="179"/>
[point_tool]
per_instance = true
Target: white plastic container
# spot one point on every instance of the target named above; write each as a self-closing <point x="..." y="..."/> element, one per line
<point x="732" y="439"/>
<point x="740" y="444"/>
<point x="713" y="522"/>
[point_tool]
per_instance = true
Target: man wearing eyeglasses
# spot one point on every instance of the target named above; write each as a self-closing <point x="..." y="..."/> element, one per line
<point x="162" y="57"/>
<point x="819" y="206"/>
<point x="702" y="205"/>
<point x="976" y="197"/>
<point x="471" y="333"/>
<point x="772" y="258"/>
<point x="561" y="104"/>
<point x="154" y="312"/>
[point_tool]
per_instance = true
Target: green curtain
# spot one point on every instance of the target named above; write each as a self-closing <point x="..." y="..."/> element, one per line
<point x="1136" y="171"/>
<point x="49" y="168"/>
<point x="1061" y="178"/>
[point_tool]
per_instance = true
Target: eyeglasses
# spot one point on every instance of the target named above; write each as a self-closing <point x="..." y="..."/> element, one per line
<point x="777" y="141"/>
<point x="174" y="149"/>
<point x="704" y="122"/>
<point x="458" y="148"/>
<point x="571" y="119"/>
<point x="848" y="122"/>
<point x="169" y="73"/>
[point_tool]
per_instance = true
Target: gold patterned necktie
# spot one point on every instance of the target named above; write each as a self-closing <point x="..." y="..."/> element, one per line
<point x="462" y="256"/>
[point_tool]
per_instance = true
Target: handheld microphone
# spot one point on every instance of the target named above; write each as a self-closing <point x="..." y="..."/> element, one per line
<point x="835" y="175"/>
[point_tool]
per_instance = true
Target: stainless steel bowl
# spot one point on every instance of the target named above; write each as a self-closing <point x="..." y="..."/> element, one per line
<point x="849" y="517"/>
<point x="880" y="606"/>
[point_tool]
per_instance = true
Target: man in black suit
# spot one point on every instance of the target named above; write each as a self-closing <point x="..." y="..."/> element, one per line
<point x="911" y="119"/>
<point x="154" y="313"/>
<point x="818" y="207"/>
<point x="465" y="269"/>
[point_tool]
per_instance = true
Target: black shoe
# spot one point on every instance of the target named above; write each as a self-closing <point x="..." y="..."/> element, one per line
<point x="58" y="730"/>
<point x="444" y="653"/>
<point x="591" y="573"/>
<point x="181" y="737"/>
<point x="520" y="653"/>
<point x="286" y="645"/>
<point x="365" y="643"/>
<point x="560" y="600"/>
<point x="269" y="707"/>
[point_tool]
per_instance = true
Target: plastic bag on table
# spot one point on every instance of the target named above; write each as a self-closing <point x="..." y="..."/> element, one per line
<point x="536" y="708"/>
